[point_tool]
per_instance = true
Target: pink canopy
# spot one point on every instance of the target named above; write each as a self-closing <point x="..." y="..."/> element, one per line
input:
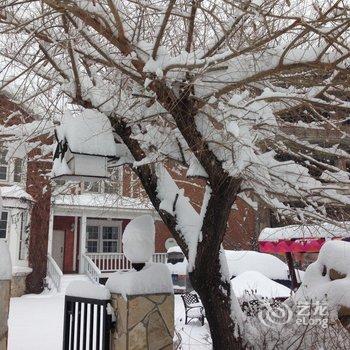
<point x="308" y="245"/>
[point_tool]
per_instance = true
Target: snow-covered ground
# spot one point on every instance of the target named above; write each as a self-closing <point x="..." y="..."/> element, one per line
<point x="36" y="323"/>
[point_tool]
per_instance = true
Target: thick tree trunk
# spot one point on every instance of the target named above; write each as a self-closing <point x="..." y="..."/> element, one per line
<point x="207" y="278"/>
<point x="217" y="311"/>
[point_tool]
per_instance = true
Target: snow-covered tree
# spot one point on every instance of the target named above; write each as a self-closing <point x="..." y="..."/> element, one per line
<point x="230" y="90"/>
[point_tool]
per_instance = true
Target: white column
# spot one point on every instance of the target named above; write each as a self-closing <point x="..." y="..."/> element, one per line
<point x="75" y="243"/>
<point x="49" y="244"/>
<point x="82" y="246"/>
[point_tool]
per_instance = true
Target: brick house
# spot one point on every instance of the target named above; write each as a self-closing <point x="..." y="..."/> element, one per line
<point x="77" y="228"/>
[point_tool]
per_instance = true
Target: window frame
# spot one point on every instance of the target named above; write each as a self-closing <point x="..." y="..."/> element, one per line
<point x="10" y="168"/>
<point x="7" y="223"/>
<point x="118" y="180"/>
<point x="101" y="224"/>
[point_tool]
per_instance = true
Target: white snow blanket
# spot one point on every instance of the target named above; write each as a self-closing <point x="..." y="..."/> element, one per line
<point x="15" y="191"/>
<point x="248" y="260"/>
<point x="324" y="230"/>
<point x="89" y="132"/>
<point x="317" y="285"/>
<point x="253" y="283"/>
<point x="153" y="278"/>
<point x="87" y="289"/>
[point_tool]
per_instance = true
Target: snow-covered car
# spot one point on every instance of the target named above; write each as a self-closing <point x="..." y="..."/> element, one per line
<point x="177" y="264"/>
<point x="268" y="265"/>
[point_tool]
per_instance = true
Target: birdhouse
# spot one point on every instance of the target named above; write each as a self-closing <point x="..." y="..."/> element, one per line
<point x="85" y="143"/>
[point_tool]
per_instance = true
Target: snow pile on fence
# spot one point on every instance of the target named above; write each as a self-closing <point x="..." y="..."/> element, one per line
<point x="5" y="262"/>
<point x="138" y="239"/>
<point x="324" y="230"/>
<point x="328" y="278"/>
<point x="87" y="289"/>
<point x="153" y="278"/>
<point x="257" y="285"/>
<point x="89" y="132"/>
<point x="248" y="260"/>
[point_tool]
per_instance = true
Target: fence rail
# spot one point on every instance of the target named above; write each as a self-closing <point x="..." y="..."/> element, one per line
<point x="91" y="270"/>
<point x="54" y="272"/>
<point x="108" y="262"/>
<point x="87" y="324"/>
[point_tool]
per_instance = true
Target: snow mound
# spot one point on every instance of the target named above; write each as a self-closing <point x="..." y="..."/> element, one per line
<point x="87" y="289"/>
<point x="248" y="260"/>
<point x="89" y="132"/>
<point x="153" y="278"/>
<point x="179" y="268"/>
<point x="319" y="282"/>
<point x="5" y="262"/>
<point x="138" y="239"/>
<point x="21" y="270"/>
<point x="324" y="230"/>
<point x="256" y="284"/>
<point x="175" y="249"/>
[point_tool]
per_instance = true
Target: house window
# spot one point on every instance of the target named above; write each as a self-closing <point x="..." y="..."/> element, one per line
<point x="103" y="238"/>
<point x="3" y="224"/>
<point x="92" y="239"/>
<point x="110" y="186"/>
<point x="3" y="165"/>
<point x="10" y="170"/>
<point x="110" y="239"/>
<point x="17" y="170"/>
<point x="92" y="186"/>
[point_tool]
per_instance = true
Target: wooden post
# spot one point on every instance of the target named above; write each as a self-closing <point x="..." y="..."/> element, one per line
<point x="293" y="276"/>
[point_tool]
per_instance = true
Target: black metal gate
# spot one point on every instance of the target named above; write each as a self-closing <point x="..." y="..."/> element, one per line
<point x="87" y="324"/>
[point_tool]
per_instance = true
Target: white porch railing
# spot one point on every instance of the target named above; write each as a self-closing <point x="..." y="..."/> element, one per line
<point x="160" y="258"/>
<point x="108" y="262"/>
<point x="91" y="270"/>
<point x="54" y="272"/>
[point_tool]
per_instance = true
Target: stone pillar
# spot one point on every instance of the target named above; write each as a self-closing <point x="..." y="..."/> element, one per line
<point x="143" y="297"/>
<point x="18" y="284"/>
<point x="5" y="292"/>
<point x="144" y="322"/>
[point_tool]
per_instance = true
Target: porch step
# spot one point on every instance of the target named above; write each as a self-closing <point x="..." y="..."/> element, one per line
<point x="67" y="279"/>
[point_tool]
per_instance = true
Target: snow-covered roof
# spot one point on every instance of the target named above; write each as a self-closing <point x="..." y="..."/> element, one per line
<point x="89" y="132"/>
<point x="15" y="191"/>
<point x="256" y="284"/>
<point x="101" y="200"/>
<point x="248" y="260"/>
<point x="324" y="230"/>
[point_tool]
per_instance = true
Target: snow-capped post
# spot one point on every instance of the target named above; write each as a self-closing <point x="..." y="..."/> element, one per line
<point x="143" y="297"/>
<point x="5" y="292"/>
